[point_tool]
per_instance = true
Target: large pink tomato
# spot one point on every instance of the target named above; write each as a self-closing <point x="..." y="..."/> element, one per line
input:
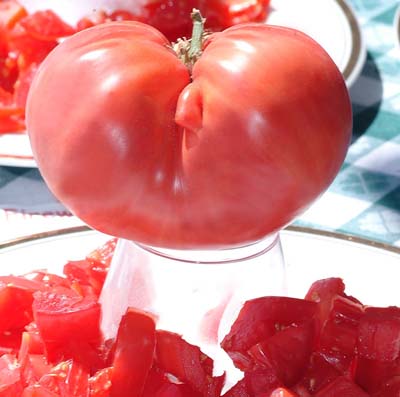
<point x="141" y="147"/>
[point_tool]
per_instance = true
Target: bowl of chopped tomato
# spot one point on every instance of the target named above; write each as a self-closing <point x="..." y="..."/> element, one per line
<point x="335" y="335"/>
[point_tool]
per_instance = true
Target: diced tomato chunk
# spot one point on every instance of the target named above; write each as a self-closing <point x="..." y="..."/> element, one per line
<point x="318" y="374"/>
<point x="10" y="376"/>
<point x="67" y="379"/>
<point x="60" y="316"/>
<point x="371" y="375"/>
<point x="287" y="352"/>
<point x="390" y="388"/>
<point x="37" y="390"/>
<point x="10" y="13"/>
<point x="262" y="318"/>
<point x="46" y="25"/>
<point x="379" y="334"/>
<point x="16" y="297"/>
<point x="187" y="363"/>
<point x="134" y="353"/>
<point x="100" y="383"/>
<point x="282" y="392"/>
<point x="342" y="387"/>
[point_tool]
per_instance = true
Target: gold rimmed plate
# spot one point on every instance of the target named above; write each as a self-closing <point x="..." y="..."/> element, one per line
<point x="371" y="270"/>
<point x="332" y="23"/>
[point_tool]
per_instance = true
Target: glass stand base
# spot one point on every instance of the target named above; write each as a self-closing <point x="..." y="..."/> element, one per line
<point x="197" y="294"/>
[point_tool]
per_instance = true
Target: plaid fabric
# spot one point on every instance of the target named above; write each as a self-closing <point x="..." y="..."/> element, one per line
<point x="364" y="200"/>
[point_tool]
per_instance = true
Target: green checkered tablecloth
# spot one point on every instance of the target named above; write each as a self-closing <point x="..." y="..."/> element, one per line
<point x="364" y="199"/>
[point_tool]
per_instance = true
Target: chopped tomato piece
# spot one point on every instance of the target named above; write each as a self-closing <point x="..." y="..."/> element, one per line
<point x="46" y="25"/>
<point x="16" y="297"/>
<point x="95" y="18"/>
<point x="323" y="292"/>
<point x="390" y="388"/>
<point x="59" y="316"/>
<point x="338" y="339"/>
<point x="239" y="390"/>
<point x="7" y="105"/>
<point x="379" y="334"/>
<point x="287" y="352"/>
<point x="282" y="392"/>
<point x="319" y="373"/>
<point x="67" y="379"/>
<point x="100" y="383"/>
<point x="134" y="354"/>
<point x="10" y="13"/>
<point x="342" y="386"/>
<point x="10" y="376"/>
<point x="187" y="363"/>
<point x="37" y="390"/>
<point x="262" y="318"/>
<point x="22" y="85"/>
<point x="29" y="49"/>
<point x="8" y="73"/>
<point x="371" y="375"/>
<point x="261" y="381"/>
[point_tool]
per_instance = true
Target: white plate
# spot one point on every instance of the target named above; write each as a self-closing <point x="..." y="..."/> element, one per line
<point x="332" y="23"/>
<point x="370" y="270"/>
<point x="397" y="26"/>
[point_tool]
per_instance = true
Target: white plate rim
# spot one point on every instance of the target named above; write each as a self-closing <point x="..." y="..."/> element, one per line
<point x="358" y="54"/>
<point x="350" y="73"/>
<point x="396" y="25"/>
<point x="68" y="231"/>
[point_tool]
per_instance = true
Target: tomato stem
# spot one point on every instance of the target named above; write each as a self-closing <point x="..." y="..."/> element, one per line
<point x="189" y="51"/>
<point x="196" y="43"/>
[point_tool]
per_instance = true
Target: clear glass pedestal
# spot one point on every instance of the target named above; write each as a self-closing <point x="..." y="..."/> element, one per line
<point x="197" y="294"/>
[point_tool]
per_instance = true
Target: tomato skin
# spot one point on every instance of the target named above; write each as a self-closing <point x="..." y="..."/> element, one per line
<point x="180" y="164"/>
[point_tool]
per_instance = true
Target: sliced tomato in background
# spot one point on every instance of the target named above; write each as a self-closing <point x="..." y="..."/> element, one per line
<point x="222" y="14"/>
<point x="134" y="353"/>
<point x="7" y="105"/>
<point x="28" y="48"/>
<point x="8" y="73"/>
<point x="23" y="83"/>
<point x="10" y="13"/>
<point x="10" y="376"/>
<point x="46" y="26"/>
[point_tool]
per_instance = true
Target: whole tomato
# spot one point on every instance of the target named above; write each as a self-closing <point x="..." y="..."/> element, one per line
<point x="140" y="146"/>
